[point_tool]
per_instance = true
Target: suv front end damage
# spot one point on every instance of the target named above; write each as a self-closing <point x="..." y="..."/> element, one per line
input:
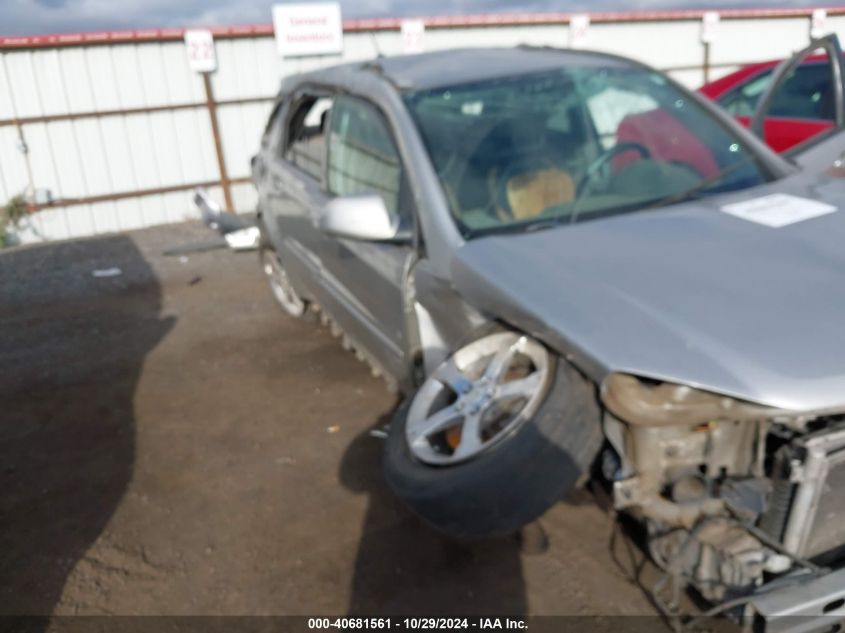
<point x="741" y="502"/>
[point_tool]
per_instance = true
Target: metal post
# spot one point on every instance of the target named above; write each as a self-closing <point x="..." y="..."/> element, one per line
<point x="30" y="198"/>
<point x="218" y="145"/>
<point x="25" y="151"/>
<point x="706" y="66"/>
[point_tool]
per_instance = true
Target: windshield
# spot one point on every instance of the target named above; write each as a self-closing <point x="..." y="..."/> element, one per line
<point x="574" y="144"/>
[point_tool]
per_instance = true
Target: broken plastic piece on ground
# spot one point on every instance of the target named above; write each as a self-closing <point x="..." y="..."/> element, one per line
<point x="214" y="216"/>
<point x="107" y="272"/>
<point x="243" y="240"/>
<point x="239" y="233"/>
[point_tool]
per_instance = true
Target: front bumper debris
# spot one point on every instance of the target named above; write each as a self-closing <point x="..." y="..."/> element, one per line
<point x="810" y="606"/>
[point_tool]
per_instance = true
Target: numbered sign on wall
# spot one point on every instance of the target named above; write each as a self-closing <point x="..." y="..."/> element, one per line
<point x="579" y="27"/>
<point x="709" y="27"/>
<point x="818" y="24"/>
<point x="413" y="36"/>
<point x="201" y="55"/>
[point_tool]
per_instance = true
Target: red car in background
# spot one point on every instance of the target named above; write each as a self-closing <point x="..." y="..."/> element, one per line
<point x="793" y="105"/>
<point x="804" y="105"/>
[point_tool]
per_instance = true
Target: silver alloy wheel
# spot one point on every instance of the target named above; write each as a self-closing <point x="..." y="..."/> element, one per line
<point x="280" y="285"/>
<point x="479" y="396"/>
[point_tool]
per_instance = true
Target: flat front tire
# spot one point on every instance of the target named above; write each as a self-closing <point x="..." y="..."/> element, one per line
<point x="493" y="438"/>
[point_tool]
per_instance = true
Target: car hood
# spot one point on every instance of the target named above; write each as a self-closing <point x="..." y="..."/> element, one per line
<point x="822" y="156"/>
<point x="687" y="294"/>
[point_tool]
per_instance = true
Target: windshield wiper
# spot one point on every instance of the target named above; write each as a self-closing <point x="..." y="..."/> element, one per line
<point x="687" y="194"/>
<point x="675" y="198"/>
<point x="541" y="226"/>
<point x="692" y="192"/>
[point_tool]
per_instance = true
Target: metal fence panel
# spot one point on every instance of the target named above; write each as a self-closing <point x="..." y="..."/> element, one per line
<point x="127" y="131"/>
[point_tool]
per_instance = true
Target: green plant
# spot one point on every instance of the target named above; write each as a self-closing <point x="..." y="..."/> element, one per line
<point x="11" y="214"/>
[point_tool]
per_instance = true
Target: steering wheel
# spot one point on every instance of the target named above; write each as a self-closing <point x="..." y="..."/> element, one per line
<point x="606" y="156"/>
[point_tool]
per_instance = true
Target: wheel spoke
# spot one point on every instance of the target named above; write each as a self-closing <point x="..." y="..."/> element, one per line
<point x="484" y="377"/>
<point x="450" y="375"/>
<point x="470" y="436"/>
<point x="522" y="387"/>
<point x="436" y="422"/>
<point x="281" y="287"/>
<point x="501" y="361"/>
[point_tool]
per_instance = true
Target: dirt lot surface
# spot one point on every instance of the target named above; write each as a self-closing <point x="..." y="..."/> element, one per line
<point x="170" y="443"/>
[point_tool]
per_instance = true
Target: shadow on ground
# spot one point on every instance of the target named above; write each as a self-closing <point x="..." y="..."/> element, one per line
<point x="223" y="467"/>
<point x="67" y="427"/>
<point x="404" y="567"/>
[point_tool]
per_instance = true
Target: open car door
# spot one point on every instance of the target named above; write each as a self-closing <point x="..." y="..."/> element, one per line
<point x="804" y="100"/>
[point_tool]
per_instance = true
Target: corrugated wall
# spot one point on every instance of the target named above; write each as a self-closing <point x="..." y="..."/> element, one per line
<point x="114" y="153"/>
<point x="116" y="146"/>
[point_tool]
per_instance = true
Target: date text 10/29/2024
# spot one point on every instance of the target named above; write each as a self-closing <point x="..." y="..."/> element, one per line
<point x="416" y="624"/>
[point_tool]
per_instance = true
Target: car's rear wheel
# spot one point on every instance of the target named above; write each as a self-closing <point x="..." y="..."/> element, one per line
<point x="280" y="285"/>
<point x="494" y="437"/>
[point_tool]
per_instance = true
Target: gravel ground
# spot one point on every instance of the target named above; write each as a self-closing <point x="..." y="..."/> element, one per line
<point x="170" y="443"/>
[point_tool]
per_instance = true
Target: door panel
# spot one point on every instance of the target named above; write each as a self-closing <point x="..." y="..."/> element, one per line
<point x="359" y="284"/>
<point x="296" y="205"/>
<point x="295" y="191"/>
<point x="362" y="158"/>
<point x="804" y="98"/>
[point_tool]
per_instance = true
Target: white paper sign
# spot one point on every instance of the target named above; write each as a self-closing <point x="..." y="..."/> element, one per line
<point x="778" y="210"/>
<point x="413" y="36"/>
<point x="709" y="27"/>
<point x="308" y="29"/>
<point x="818" y="24"/>
<point x="201" y="55"/>
<point x="579" y="27"/>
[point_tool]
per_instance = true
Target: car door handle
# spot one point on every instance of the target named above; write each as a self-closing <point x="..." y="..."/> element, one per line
<point x="275" y="190"/>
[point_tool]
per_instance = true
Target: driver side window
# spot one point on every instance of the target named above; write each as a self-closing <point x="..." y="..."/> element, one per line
<point x="362" y="155"/>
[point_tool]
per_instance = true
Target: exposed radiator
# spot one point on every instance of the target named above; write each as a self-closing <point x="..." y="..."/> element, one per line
<point x="816" y="523"/>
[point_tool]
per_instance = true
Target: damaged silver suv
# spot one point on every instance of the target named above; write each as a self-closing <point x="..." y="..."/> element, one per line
<point x="573" y="266"/>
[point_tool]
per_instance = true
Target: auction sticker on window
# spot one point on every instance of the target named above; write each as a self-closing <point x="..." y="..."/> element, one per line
<point x="778" y="210"/>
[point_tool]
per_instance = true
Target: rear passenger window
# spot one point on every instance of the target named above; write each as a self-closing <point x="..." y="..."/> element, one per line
<point x="362" y="156"/>
<point x="306" y="138"/>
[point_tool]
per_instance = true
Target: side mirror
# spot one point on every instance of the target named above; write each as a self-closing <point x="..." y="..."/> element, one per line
<point x="361" y="217"/>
